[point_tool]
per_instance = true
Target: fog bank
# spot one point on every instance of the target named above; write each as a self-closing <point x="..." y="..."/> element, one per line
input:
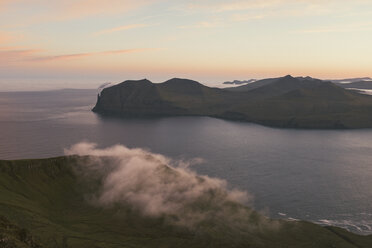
<point x="157" y="186"/>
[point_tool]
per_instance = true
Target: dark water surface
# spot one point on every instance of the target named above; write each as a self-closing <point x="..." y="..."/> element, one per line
<point x="324" y="176"/>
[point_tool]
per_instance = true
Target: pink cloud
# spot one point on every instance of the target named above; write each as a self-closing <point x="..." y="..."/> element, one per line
<point x="128" y="50"/>
<point x="82" y="55"/>
<point x="121" y="28"/>
<point x="62" y="57"/>
<point x="99" y="7"/>
<point x="6" y="38"/>
<point x="50" y="11"/>
<point x="9" y="55"/>
<point x="75" y="9"/>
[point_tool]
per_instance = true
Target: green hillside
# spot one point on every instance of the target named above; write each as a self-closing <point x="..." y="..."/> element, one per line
<point x="44" y="203"/>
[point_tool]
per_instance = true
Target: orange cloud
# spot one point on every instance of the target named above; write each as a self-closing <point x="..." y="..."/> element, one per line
<point x="121" y="28"/>
<point x="4" y="3"/>
<point x="128" y="50"/>
<point x="49" y="11"/>
<point x="74" y="9"/>
<point x="3" y="38"/>
<point x="6" y="37"/>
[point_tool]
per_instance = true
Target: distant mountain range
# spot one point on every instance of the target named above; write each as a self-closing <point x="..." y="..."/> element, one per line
<point x="290" y="102"/>
<point x="355" y="83"/>
<point x="363" y="85"/>
<point x="351" y="80"/>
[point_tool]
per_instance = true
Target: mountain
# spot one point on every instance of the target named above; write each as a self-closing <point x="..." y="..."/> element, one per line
<point x="238" y="82"/>
<point x="323" y="106"/>
<point x="48" y="203"/>
<point x="252" y="85"/>
<point x="269" y="81"/>
<point x="281" y="102"/>
<point x="285" y="84"/>
<point x="173" y="97"/>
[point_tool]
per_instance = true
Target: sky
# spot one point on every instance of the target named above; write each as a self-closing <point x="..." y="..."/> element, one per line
<point x="83" y="43"/>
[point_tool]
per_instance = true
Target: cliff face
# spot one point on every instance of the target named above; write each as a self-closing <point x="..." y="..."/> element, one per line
<point x="173" y="97"/>
<point x="282" y="102"/>
<point x="133" y="98"/>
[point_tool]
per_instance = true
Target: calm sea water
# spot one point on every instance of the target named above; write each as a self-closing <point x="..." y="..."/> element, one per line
<point x="322" y="176"/>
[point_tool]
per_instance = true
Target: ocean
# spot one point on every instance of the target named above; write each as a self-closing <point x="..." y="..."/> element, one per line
<point x="323" y="176"/>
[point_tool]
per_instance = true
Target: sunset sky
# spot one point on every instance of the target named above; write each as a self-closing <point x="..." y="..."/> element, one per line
<point x="83" y="43"/>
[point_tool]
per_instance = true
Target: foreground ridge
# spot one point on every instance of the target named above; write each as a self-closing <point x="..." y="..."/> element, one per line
<point x="48" y="197"/>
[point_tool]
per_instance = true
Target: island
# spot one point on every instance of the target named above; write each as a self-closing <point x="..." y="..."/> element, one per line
<point x="286" y="102"/>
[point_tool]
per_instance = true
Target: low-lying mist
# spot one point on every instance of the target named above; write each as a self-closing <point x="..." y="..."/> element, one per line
<point x="157" y="186"/>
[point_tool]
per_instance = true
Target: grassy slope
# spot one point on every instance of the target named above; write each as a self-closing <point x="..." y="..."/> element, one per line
<point x="13" y="236"/>
<point x="47" y="198"/>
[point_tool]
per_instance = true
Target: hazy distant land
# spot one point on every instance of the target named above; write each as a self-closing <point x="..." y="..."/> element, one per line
<point x="341" y="82"/>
